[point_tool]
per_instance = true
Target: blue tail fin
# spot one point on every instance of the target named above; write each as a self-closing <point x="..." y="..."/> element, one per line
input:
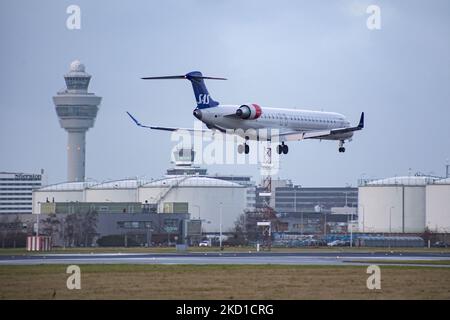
<point x="202" y="96"/>
<point x="201" y="93"/>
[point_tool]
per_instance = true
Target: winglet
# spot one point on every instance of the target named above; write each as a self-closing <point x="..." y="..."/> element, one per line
<point x="361" y="121"/>
<point x="134" y="119"/>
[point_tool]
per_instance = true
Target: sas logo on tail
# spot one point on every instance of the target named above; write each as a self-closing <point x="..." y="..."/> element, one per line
<point x="203" y="98"/>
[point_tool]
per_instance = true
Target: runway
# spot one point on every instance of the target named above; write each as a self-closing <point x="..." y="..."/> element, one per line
<point x="253" y="258"/>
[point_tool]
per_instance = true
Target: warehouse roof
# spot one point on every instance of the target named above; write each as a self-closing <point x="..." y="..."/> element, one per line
<point x="443" y="181"/>
<point x="191" y="181"/>
<point x="180" y="181"/>
<point x="68" y="186"/>
<point x="120" y="184"/>
<point x="405" y="181"/>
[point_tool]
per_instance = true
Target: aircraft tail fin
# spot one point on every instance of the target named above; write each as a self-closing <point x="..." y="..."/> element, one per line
<point x="201" y="93"/>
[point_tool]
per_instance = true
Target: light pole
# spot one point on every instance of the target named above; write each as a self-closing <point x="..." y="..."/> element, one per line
<point x="351" y="230"/>
<point x="390" y="218"/>
<point x="363" y="217"/>
<point x="220" y="226"/>
<point x="295" y="201"/>
<point x="351" y="236"/>
<point x="63" y="232"/>
<point x="37" y="220"/>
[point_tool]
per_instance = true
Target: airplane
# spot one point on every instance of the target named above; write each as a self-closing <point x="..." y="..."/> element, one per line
<point x="245" y="120"/>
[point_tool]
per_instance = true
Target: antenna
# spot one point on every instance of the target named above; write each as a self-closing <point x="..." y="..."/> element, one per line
<point x="447" y="169"/>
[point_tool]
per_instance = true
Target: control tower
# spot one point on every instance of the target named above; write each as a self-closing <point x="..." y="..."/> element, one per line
<point x="76" y="110"/>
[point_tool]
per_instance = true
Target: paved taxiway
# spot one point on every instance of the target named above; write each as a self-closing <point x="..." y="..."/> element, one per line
<point x="303" y="258"/>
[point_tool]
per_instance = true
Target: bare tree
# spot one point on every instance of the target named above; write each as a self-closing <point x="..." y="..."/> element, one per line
<point x="4" y="229"/>
<point x="11" y="231"/>
<point x="80" y="228"/>
<point x="51" y="227"/>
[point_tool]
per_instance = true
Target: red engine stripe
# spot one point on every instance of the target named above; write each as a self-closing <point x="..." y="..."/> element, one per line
<point x="258" y="111"/>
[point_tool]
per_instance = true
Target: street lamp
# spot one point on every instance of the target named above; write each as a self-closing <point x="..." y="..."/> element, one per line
<point x="351" y="233"/>
<point x="363" y="217"/>
<point x="37" y="219"/>
<point x="390" y="218"/>
<point x="220" y="226"/>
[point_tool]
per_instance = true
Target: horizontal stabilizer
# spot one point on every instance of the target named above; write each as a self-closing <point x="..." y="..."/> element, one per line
<point x="187" y="77"/>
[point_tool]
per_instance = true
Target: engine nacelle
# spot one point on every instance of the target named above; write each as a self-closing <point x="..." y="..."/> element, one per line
<point x="249" y="111"/>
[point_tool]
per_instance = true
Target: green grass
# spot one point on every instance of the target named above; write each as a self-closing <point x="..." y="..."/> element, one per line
<point x="423" y="262"/>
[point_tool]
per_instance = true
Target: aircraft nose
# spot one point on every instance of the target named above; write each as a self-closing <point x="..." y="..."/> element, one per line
<point x="198" y="114"/>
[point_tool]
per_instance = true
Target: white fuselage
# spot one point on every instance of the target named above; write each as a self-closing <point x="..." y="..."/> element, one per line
<point x="283" y="120"/>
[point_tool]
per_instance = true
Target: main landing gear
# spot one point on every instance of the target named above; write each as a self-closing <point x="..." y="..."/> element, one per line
<point x="244" y="148"/>
<point x="341" y="146"/>
<point x="282" y="148"/>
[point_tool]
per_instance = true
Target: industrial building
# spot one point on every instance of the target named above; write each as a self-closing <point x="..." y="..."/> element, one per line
<point x="396" y="205"/>
<point x="184" y="158"/>
<point x="216" y="202"/>
<point x="292" y="198"/>
<point x="314" y="223"/>
<point x="118" y="224"/>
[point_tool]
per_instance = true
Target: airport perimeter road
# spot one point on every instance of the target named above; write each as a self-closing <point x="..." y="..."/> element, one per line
<point x="304" y="258"/>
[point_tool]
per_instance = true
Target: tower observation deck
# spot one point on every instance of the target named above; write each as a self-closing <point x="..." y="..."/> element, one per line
<point x="76" y="110"/>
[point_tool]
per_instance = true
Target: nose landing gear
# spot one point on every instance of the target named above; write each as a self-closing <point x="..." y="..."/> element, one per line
<point x="341" y="146"/>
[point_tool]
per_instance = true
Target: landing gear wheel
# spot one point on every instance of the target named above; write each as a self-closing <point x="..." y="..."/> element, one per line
<point x="247" y="148"/>
<point x="341" y="146"/>
<point x="241" y="148"/>
<point x="279" y="149"/>
<point x="285" y="149"/>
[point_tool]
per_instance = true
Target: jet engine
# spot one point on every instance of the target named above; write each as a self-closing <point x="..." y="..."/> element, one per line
<point x="249" y="112"/>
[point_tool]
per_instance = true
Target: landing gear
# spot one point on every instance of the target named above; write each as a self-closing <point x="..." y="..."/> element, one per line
<point x="244" y="148"/>
<point x="282" y="148"/>
<point x="341" y="146"/>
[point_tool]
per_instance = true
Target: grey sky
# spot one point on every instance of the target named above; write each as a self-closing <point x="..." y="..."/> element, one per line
<point x="305" y="54"/>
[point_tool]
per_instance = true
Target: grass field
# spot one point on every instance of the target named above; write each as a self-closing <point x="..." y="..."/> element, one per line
<point x="222" y="282"/>
<point x="420" y="262"/>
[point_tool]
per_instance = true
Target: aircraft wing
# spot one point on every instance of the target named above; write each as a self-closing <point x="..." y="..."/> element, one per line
<point x="317" y="134"/>
<point x="165" y="128"/>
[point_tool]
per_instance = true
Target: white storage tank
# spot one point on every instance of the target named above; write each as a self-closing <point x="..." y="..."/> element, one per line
<point x="396" y="205"/>
<point x="205" y="197"/>
<point x="114" y="191"/>
<point x="61" y="192"/>
<point x="438" y="206"/>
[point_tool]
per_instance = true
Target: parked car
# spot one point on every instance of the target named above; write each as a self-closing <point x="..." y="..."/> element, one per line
<point x="204" y="243"/>
<point x="440" y="244"/>
<point x="337" y="243"/>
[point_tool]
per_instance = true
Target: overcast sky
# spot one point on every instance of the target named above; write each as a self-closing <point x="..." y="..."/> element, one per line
<point x="304" y="54"/>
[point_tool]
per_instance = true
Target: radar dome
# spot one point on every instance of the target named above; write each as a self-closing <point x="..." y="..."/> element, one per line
<point x="77" y="66"/>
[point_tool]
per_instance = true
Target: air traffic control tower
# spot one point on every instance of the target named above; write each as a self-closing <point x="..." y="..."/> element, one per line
<point x="76" y="110"/>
